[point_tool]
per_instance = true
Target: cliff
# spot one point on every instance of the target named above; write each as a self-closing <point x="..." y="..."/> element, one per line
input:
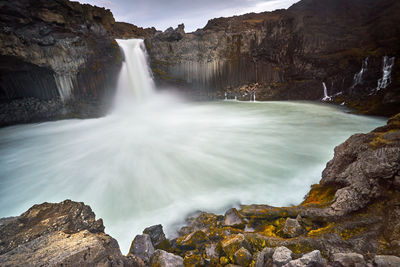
<point x="350" y="46"/>
<point x="351" y="218"/>
<point x="57" y="59"/>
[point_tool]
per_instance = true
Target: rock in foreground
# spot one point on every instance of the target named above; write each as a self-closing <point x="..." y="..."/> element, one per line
<point x="63" y="234"/>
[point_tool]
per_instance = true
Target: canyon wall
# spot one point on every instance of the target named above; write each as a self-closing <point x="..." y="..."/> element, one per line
<point x="57" y="59"/>
<point x="289" y="54"/>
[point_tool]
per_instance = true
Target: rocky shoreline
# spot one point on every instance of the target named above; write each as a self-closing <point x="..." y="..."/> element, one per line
<point x="351" y="218"/>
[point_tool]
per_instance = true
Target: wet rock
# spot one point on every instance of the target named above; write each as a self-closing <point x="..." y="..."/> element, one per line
<point x="142" y="247"/>
<point x="281" y="256"/>
<point x="162" y="258"/>
<point x="242" y="257"/>
<point x="263" y="257"/>
<point x="211" y="251"/>
<point x="312" y="259"/>
<point x="348" y="259"/>
<point x="233" y="243"/>
<point x="292" y="228"/>
<point x="157" y="236"/>
<point x="234" y="219"/>
<point x="192" y="240"/>
<point x="65" y="233"/>
<point x="386" y="261"/>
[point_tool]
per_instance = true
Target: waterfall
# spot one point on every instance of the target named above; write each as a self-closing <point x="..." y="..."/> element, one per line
<point x="226" y="96"/>
<point x="358" y="76"/>
<point x="326" y="96"/>
<point x="254" y="96"/>
<point x="135" y="82"/>
<point x="388" y="64"/>
<point x="64" y="85"/>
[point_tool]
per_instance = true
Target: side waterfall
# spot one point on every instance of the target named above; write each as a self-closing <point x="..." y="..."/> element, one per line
<point x="326" y="96"/>
<point x="388" y="64"/>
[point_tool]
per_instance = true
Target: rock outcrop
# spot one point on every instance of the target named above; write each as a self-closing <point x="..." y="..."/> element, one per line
<point x="350" y="46"/>
<point x="61" y="54"/>
<point x="64" y="234"/>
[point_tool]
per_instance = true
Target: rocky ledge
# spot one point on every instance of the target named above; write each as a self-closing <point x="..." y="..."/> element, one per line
<point x="55" y="55"/>
<point x="351" y="218"/>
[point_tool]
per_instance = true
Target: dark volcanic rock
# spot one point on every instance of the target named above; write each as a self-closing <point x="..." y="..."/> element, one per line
<point x="290" y="53"/>
<point x="56" y="51"/>
<point x="64" y="234"/>
<point x="123" y="30"/>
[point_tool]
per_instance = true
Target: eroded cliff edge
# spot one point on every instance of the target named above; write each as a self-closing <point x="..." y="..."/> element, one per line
<point x="350" y="46"/>
<point x="57" y="59"/>
<point x="351" y="218"/>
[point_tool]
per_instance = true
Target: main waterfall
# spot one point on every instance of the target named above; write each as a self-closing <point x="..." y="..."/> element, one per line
<point x="135" y="83"/>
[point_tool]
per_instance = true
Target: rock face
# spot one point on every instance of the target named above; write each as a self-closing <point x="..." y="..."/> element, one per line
<point x="64" y="234"/>
<point x="56" y="51"/>
<point x="350" y="46"/>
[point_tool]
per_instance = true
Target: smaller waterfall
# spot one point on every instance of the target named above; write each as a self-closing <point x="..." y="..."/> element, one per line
<point x="64" y="85"/>
<point x="326" y="96"/>
<point x="254" y="96"/>
<point x="358" y="76"/>
<point x="388" y="64"/>
<point x="226" y="96"/>
<point x="235" y="98"/>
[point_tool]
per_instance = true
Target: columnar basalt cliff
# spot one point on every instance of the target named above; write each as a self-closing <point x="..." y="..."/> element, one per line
<point x="58" y="58"/>
<point x="351" y="218"/>
<point x="289" y="54"/>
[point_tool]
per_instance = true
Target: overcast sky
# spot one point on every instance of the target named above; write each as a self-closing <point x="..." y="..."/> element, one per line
<point x="193" y="13"/>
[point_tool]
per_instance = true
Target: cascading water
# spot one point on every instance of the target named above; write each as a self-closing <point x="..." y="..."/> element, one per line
<point x="387" y="66"/>
<point x="326" y="96"/>
<point x="135" y="82"/>
<point x="358" y="77"/>
<point x="157" y="159"/>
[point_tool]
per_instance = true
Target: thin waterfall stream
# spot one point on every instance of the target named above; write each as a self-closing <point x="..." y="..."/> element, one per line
<point x="157" y="158"/>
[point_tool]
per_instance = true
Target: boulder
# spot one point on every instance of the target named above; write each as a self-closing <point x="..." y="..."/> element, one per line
<point x="234" y="219"/>
<point x="386" y="261"/>
<point x="142" y="247"/>
<point x="263" y="257"/>
<point x="312" y="259"/>
<point x="157" y="236"/>
<point x="233" y="243"/>
<point x="281" y="256"/>
<point x="242" y="257"/>
<point x="348" y="259"/>
<point x="292" y="228"/>
<point x="162" y="258"/>
<point x="65" y="233"/>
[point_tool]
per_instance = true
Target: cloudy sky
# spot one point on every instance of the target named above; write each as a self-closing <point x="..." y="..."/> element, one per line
<point x="193" y="13"/>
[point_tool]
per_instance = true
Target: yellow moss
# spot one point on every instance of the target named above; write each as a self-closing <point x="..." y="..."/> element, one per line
<point x="379" y="139"/>
<point x="322" y="230"/>
<point x="300" y="248"/>
<point x="320" y="195"/>
<point x="350" y="233"/>
<point x="269" y="230"/>
<point x="223" y="260"/>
